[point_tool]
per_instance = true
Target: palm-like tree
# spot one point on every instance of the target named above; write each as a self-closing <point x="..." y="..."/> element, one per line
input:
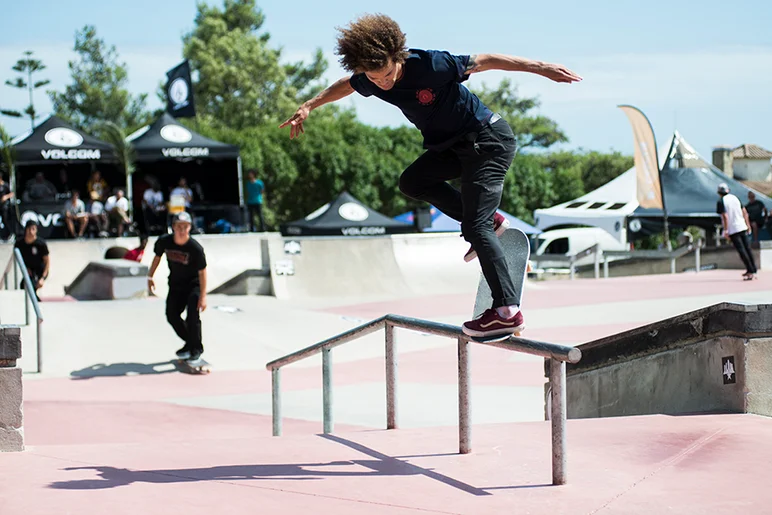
<point x="116" y="136"/>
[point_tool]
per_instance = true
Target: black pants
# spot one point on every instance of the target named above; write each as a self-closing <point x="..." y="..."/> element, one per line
<point x="740" y="241"/>
<point x="189" y="330"/>
<point x="256" y="209"/>
<point x="481" y="161"/>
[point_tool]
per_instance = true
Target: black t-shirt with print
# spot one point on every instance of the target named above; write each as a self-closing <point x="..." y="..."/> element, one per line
<point x="33" y="254"/>
<point x="185" y="261"/>
<point x="431" y="96"/>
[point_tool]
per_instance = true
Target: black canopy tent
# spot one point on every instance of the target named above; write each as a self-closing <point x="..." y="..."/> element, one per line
<point x="345" y="216"/>
<point x="689" y="185"/>
<point x="66" y="157"/>
<point x="167" y="150"/>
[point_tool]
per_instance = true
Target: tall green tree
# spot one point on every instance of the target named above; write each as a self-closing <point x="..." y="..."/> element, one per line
<point x="241" y="80"/>
<point x="26" y="66"/>
<point x="98" y="92"/>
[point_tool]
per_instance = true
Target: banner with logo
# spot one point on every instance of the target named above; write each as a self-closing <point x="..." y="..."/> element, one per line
<point x="179" y="92"/>
<point x="646" y="160"/>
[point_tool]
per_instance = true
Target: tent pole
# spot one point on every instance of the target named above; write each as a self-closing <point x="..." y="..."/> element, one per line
<point x="130" y="195"/>
<point x="244" y="214"/>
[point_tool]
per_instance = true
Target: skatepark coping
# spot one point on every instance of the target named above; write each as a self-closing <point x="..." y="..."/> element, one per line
<point x="559" y="355"/>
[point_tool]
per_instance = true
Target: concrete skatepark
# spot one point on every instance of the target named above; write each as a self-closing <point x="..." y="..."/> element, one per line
<point x="109" y="414"/>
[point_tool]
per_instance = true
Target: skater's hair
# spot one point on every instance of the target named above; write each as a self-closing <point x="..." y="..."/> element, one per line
<point x="368" y="44"/>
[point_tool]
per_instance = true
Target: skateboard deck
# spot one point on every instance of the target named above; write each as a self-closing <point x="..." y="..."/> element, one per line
<point x="517" y="250"/>
<point x="199" y="366"/>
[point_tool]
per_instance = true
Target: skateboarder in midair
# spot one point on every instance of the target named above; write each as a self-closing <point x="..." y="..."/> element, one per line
<point x="462" y="137"/>
<point x="187" y="284"/>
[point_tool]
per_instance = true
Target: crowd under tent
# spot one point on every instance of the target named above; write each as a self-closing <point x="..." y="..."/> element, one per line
<point x="60" y="159"/>
<point x="166" y="151"/>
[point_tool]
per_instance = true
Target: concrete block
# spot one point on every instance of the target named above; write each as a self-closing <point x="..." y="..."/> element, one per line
<point x="688" y="379"/>
<point x="759" y="364"/>
<point x="10" y="398"/>
<point x="11" y="440"/>
<point x="10" y="342"/>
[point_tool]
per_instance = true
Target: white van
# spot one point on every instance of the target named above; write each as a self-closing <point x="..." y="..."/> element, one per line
<point x="568" y="242"/>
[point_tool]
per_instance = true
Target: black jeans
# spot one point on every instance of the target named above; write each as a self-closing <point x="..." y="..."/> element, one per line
<point x="740" y="241"/>
<point x="189" y="330"/>
<point x="256" y="209"/>
<point x="481" y="161"/>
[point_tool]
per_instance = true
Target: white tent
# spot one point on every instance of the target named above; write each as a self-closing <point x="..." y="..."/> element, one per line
<point x="606" y="207"/>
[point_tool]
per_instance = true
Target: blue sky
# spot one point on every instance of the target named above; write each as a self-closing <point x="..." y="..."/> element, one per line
<point x="704" y="68"/>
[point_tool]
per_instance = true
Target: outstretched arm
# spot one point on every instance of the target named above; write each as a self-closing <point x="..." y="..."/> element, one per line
<point x="509" y="63"/>
<point x="340" y="89"/>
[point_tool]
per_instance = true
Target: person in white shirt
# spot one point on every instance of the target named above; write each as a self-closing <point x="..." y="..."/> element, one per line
<point x="75" y="209"/>
<point x="117" y="208"/>
<point x="153" y="207"/>
<point x="736" y="224"/>
<point x="184" y="191"/>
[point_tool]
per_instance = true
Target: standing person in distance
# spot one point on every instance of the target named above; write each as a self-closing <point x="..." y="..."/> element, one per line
<point x="255" y="188"/>
<point x="736" y="224"/>
<point x="34" y="251"/>
<point x="187" y="284"/>
<point x="463" y="138"/>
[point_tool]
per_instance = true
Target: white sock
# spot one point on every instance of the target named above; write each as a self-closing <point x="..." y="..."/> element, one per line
<point x="507" y="311"/>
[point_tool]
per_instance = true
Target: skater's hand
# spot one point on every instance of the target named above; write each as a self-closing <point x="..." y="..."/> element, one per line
<point x="40" y="283"/>
<point x="296" y="121"/>
<point x="560" y="73"/>
<point x="151" y="285"/>
<point x="202" y="302"/>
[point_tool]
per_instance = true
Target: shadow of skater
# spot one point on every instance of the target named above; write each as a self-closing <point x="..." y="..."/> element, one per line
<point x="123" y="369"/>
<point x="112" y="477"/>
<point x="379" y="465"/>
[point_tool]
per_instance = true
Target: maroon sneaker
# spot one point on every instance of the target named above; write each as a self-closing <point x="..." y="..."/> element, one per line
<point x="500" y="224"/>
<point x="490" y="323"/>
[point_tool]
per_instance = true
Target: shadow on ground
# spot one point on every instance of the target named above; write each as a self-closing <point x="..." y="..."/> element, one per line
<point x="379" y="464"/>
<point x="124" y="369"/>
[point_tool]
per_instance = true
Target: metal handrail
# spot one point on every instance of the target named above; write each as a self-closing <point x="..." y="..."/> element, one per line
<point x="559" y="354"/>
<point x="573" y="258"/>
<point x="672" y="255"/>
<point x="17" y="260"/>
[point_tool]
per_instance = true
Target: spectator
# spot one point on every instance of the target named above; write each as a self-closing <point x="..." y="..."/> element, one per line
<point x="736" y="224"/>
<point x="75" y="209"/>
<point x="39" y="189"/>
<point x="153" y="207"/>
<point x="136" y="254"/>
<point x="117" y="208"/>
<point x="6" y="210"/>
<point x="97" y="186"/>
<point x="255" y="188"/>
<point x="182" y="190"/>
<point x="97" y="215"/>
<point x="34" y="251"/>
<point x="757" y="214"/>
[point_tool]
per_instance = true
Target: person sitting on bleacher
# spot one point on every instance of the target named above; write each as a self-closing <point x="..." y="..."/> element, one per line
<point x="117" y="208"/>
<point x="75" y="209"/>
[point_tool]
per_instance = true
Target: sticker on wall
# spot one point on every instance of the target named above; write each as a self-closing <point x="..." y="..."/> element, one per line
<point x="728" y="371"/>
<point x="292" y="247"/>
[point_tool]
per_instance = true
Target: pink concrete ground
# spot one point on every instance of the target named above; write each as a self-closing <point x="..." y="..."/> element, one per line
<point x="112" y="445"/>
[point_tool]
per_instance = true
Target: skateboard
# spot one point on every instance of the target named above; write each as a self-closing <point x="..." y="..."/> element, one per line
<point x="517" y="250"/>
<point x="199" y="366"/>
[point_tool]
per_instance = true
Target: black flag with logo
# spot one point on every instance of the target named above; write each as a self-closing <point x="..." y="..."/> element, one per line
<point x="179" y="92"/>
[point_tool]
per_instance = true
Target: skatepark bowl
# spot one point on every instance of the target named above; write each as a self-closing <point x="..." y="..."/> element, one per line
<point x="658" y="386"/>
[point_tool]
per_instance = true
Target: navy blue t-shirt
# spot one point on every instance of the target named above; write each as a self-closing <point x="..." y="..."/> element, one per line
<point x="431" y="96"/>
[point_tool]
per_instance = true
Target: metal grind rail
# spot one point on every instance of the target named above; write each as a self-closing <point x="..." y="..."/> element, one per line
<point x="560" y="354"/>
<point x="16" y="264"/>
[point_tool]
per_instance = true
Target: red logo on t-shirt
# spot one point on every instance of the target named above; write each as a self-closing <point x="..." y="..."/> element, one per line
<point x="425" y="96"/>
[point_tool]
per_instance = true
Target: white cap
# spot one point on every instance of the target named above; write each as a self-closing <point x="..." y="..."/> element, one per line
<point x="723" y="188"/>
